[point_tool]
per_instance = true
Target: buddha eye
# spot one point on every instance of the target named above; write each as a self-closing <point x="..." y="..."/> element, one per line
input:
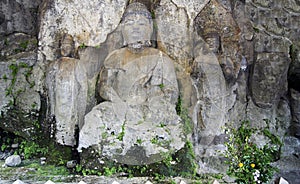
<point x="129" y="22"/>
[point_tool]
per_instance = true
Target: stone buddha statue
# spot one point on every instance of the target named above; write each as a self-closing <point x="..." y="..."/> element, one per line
<point x="137" y="122"/>
<point x="62" y="90"/>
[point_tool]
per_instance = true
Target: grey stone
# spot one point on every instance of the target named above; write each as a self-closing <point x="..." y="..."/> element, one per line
<point x="269" y="80"/>
<point x="4" y="155"/>
<point x="278" y="124"/>
<point x="291" y="176"/>
<point x="263" y="32"/>
<point x="18" y="182"/>
<point x="23" y="92"/>
<point x="14" y="146"/>
<point x="177" y="17"/>
<point x="291" y="146"/>
<point x="18" y="16"/>
<point x="13" y="161"/>
<point x="283" y="181"/>
<point x="182" y="182"/>
<point x="178" y="45"/>
<point x="295" y="108"/>
<point x="215" y="182"/>
<point x="71" y="164"/>
<point x="192" y="7"/>
<point x="71" y="17"/>
<point x="49" y="182"/>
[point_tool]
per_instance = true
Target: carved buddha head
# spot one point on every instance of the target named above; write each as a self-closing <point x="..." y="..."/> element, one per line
<point x="137" y="26"/>
<point x="67" y="46"/>
<point x="213" y="41"/>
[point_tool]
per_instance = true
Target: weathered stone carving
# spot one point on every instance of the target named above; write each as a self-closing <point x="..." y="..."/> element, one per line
<point x="62" y="89"/>
<point x="137" y="122"/>
<point x="217" y="27"/>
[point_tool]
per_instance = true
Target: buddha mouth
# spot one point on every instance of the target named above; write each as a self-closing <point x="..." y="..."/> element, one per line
<point x="136" y="34"/>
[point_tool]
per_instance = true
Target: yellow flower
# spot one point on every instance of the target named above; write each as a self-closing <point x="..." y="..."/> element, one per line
<point x="252" y="165"/>
<point x="241" y="164"/>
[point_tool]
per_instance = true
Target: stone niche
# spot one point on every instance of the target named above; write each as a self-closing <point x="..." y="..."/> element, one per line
<point x="220" y="61"/>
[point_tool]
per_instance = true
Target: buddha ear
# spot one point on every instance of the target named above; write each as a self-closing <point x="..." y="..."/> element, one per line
<point x="151" y="27"/>
<point x="122" y="34"/>
<point x="124" y="42"/>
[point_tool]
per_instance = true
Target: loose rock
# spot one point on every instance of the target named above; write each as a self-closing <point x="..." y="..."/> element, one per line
<point x="283" y="181"/>
<point x="71" y="164"/>
<point x="49" y="182"/>
<point x="13" y="161"/>
<point x="18" y="182"/>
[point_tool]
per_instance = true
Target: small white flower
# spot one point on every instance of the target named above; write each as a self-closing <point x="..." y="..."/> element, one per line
<point x="173" y="162"/>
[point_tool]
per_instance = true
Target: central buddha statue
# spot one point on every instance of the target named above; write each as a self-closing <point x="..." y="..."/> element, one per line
<point x="137" y="122"/>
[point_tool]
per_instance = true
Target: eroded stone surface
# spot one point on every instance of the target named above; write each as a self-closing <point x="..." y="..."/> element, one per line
<point x="269" y="80"/>
<point x="18" y="16"/>
<point x="178" y="44"/>
<point x="88" y="22"/>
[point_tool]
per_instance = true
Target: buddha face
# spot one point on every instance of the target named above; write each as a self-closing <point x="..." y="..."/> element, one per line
<point x="136" y="28"/>
<point x="213" y="42"/>
<point x="67" y="46"/>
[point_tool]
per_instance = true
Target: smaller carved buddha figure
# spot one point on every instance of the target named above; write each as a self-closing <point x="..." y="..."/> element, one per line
<point x="213" y="41"/>
<point x="63" y="90"/>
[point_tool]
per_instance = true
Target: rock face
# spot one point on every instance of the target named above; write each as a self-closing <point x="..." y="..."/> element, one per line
<point x="272" y="62"/>
<point x="16" y="16"/>
<point x="20" y="97"/>
<point x="60" y="17"/>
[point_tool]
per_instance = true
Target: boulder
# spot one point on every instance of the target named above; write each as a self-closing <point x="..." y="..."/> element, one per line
<point x="13" y="161"/>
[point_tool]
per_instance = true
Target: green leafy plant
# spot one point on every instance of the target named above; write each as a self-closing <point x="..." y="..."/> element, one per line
<point x="161" y="86"/>
<point x="24" y="44"/>
<point x="248" y="162"/>
<point x="82" y="46"/>
<point x="30" y="149"/>
<point x="121" y="135"/>
<point x="15" y="69"/>
<point x="139" y="141"/>
<point x="109" y="171"/>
